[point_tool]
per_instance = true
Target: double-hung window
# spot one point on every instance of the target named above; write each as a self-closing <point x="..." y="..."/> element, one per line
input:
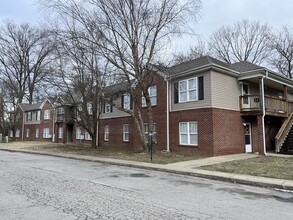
<point x="60" y="132"/>
<point x="46" y="133"/>
<point x="29" y="116"/>
<point x="126" y="132"/>
<point x="126" y="101"/>
<point x="153" y="134"/>
<point x="108" y="108"/>
<point x="188" y="90"/>
<point x="87" y="136"/>
<point x="37" y="132"/>
<point x="106" y="133"/>
<point x="153" y="96"/>
<point x="47" y="114"/>
<point x="89" y="108"/>
<point x="78" y="133"/>
<point x="38" y="115"/>
<point x="188" y="133"/>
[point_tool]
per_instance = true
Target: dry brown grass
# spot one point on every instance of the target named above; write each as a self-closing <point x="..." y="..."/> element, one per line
<point x="266" y="166"/>
<point x="116" y="153"/>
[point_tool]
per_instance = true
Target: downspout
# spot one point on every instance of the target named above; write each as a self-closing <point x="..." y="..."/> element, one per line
<point x="263" y="113"/>
<point x="53" y="121"/>
<point x="168" y="118"/>
<point x="22" y="129"/>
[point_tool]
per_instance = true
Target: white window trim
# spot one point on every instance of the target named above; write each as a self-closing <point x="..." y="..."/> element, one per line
<point x="60" y="132"/>
<point x="27" y="133"/>
<point x="89" y="107"/>
<point x="106" y="132"/>
<point x="78" y="133"/>
<point x="38" y="115"/>
<point x="17" y="133"/>
<point x="37" y="133"/>
<point x="126" y="132"/>
<point x="188" y="90"/>
<point x="143" y="101"/>
<point x="188" y="133"/>
<point x="46" y="133"/>
<point x="47" y="114"/>
<point x="87" y="136"/>
<point x="107" y="108"/>
<point x="126" y="101"/>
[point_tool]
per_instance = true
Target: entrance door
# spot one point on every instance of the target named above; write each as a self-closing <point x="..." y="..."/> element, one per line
<point x="245" y="95"/>
<point x="247" y="135"/>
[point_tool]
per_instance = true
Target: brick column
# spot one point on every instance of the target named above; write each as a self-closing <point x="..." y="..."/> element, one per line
<point x="260" y="135"/>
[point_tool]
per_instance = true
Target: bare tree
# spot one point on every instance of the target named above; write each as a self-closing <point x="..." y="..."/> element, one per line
<point x="194" y="52"/>
<point x="133" y="33"/>
<point x="282" y="44"/>
<point x="24" y="58"/>
<point x="244" y="41"/>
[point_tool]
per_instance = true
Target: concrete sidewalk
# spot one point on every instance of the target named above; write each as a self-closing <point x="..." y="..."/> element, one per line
<point x="184" y="168"/>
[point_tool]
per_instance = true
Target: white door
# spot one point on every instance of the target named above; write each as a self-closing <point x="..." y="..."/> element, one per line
<point x="245" y="96"/>
<point x="247" y="136"/>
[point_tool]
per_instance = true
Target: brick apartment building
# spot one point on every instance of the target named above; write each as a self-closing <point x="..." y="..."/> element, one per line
<point x="203" y="106"/>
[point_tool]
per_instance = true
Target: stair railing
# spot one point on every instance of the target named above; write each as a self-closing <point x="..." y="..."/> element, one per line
<point x="283" y="132"/>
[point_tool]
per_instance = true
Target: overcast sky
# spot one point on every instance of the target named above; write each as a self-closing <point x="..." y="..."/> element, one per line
<point x="214" y="13"/>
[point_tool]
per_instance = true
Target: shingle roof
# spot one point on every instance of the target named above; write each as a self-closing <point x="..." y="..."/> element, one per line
<point x="30" y="107"/>
<point x="196" y="63"/>
<point x="245" y="66"/>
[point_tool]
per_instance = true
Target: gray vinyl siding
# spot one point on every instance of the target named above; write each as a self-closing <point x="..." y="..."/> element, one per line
<point x="206" y="102"/>
<point x="115" y="113"/>
<point x="33" y="121"/>
<point x="225" y="91"/>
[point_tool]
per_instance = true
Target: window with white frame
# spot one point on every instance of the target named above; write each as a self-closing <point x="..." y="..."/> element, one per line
<point x="27" y="132"/>
<point x="106" y="133"/>
<point x="87" y="136"/>
<point x="17" y="133"/>
<point x="37" y="133"/>
<point x="11" y="133"/>
<point x="126" y="132"/>
<point x="89" y="108"/>
<point x="38" y="115"/>
<point x="47" y="114"/>
<point x="126" y="101"/>
<point x="46" y="133"/>
<point x="29" y="116"/>
<point x="60" y="110"/>
<point x="78" y="133"/>
<point x="188" y="133"/>
<point x="154" y="132"/>
<point x="60" y="132"/>
<point x="188" y="90"/>
<point x="108" y="108"/>
<point x="153" y="96"/>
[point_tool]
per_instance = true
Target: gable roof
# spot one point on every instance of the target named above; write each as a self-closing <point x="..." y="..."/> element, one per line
<point x="29" y="107"/>
<point x="197" y="63"/>
<point x="245" y="66"/>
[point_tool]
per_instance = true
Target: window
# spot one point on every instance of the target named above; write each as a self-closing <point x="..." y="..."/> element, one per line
<point x="126" y="101"/>
<point x="87" y="136"/>
<point x="188" y="90"/>
<point x="38" y="115"/>
<point x="27" y="132"/>
<point x="18" y="117"/>
<point x="46" y="133"/>
<point x="188" y="133"/>
<point x="47" y="114"/>
<point x="108" y="108"/>
<point x="37" y="132"/>
<point x="60" y="132"/>
<point x="78" y="133"/>
<point x="146" y="131"/>
<point x="60" y="111"/>
<point x="11" y="133"/>
<point x="106" y="131"/>
<point x="153" y="96"/>
<point x="89" y="108"/>
<point x="17" y="133"/>
<point x="28" y="116"/>
<point x="126" y="132"/>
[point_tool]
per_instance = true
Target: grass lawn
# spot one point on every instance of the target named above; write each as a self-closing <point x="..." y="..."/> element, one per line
<point x="266" y="166"/>
<point x="116" y="153"/>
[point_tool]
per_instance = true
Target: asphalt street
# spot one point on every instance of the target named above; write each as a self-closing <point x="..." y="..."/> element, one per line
<point x="44" y="187"/>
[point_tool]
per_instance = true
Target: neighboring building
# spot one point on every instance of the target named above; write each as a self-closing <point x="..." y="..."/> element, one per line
<point x="203" y="106"/>
<point x="209" y="107"/>
<point x="34" y="121"/>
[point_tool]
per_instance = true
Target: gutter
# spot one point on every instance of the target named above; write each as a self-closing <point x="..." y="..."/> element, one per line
<point x="168" y="117"/>
<point x="263" y="112"/>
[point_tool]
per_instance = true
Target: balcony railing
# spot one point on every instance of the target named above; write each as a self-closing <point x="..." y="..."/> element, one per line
<point x="273" y="105"/>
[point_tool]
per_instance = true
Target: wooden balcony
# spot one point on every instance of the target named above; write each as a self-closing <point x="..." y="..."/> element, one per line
<point x="63" y="118"/>
<point x="251" y="105"/>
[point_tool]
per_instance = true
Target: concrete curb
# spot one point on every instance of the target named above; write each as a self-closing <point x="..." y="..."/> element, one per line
<point x="227" y="177"/>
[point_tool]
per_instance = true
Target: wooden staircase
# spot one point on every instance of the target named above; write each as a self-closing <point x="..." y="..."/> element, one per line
<point x="284" y="138"/>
